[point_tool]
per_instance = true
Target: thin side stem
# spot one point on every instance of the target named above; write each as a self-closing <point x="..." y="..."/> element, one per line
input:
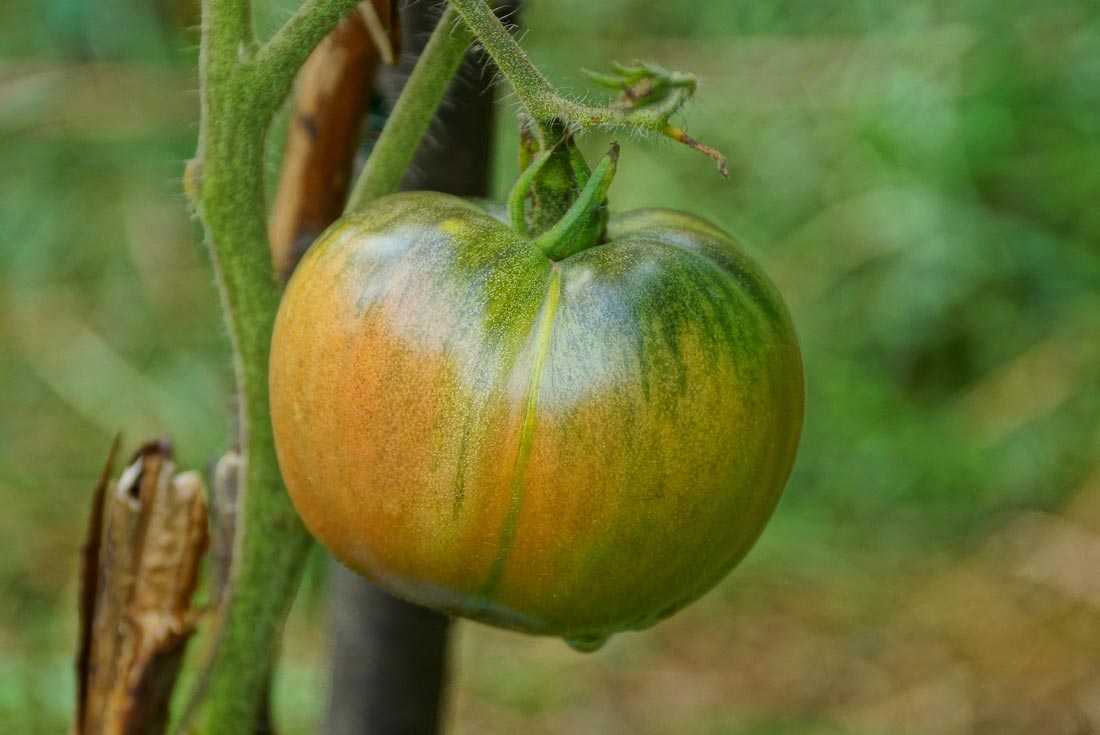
<point x="534" y="90"/>
<point x="414" y="110"/>
<point x="651" y="95"/>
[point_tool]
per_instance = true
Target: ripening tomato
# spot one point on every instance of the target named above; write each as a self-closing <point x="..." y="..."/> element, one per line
<point x="572" y="448"/>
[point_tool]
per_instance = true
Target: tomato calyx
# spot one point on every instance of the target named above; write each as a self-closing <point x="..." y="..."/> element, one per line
<point x="572" y="234"/>
<point x="584" y="223"/>
<point x="548" y="189"/>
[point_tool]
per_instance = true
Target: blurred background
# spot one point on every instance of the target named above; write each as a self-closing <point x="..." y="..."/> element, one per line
<point x="920" y="177"/>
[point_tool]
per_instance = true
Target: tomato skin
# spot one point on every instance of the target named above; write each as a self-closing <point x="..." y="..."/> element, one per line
<point x="571" y="448"/>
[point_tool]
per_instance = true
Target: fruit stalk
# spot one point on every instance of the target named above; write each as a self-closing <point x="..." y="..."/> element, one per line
<point x="649" y="97"/>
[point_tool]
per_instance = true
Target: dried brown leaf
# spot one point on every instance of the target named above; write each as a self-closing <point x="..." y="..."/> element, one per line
<point x="333" y="94"/>
<point x="141" y="566"/>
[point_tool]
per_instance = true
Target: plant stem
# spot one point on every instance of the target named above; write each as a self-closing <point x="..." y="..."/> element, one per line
<point x="641" y="107"/>
<point x="242" y="85"/>
<point x="413" y="112"/>
<point x="533" y="89"/>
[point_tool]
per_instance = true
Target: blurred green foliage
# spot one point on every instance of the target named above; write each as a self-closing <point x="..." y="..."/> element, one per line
<point x="921" y="177"/>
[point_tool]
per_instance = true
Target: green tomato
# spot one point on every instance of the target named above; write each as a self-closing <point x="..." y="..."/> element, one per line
<point x="571" y="448"/>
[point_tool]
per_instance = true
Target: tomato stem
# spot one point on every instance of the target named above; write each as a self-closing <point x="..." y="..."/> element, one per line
<point x="649" y="97"/>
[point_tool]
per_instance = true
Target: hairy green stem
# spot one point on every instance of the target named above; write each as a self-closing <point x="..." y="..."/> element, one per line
<point x="242" y="85"/>
<point x="413" y="113"/>
<point x="651" y="94"/>
<point x="533" y="89"/>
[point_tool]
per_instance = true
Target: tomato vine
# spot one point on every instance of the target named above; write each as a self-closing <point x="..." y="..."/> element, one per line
<point x="243" y="82"/>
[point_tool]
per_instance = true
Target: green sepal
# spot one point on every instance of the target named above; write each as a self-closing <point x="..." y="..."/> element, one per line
<point x="573" y="232"/>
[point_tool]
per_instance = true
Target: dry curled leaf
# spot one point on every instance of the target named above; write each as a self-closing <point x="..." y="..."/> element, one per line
<point x="333" y="95"/>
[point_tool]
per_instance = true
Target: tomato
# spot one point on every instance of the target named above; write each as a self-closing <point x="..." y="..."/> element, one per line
<point x="571" y="448"/>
